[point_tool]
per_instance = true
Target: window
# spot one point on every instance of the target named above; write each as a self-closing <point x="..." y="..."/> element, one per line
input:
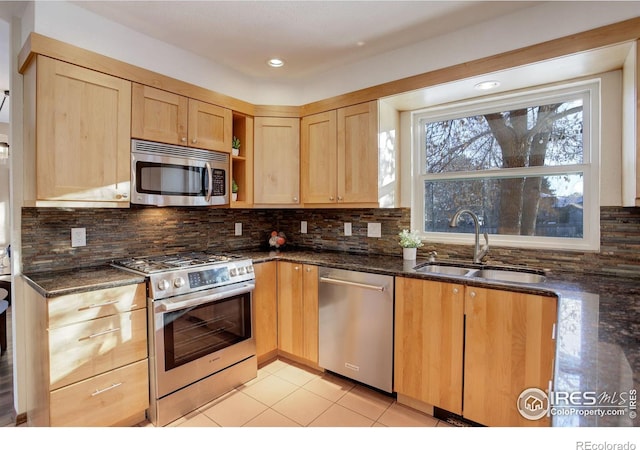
<point x="526" y="164"/>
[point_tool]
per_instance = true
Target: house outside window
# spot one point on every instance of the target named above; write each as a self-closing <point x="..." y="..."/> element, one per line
<point x="527" y="164"/>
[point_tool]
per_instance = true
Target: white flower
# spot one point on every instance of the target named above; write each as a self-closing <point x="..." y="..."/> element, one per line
<point x="410" y="239"/>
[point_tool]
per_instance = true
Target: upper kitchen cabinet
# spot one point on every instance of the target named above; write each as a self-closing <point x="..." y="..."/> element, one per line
<point x="340" y="157"/>
<point x="276" y="161"/>
<point x="163" y="116"/>
<point x="77" y="136"/>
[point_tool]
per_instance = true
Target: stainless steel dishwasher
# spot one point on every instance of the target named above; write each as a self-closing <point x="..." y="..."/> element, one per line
<point x="356" y="326"/>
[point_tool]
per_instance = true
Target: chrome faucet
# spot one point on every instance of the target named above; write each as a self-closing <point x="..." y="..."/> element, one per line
<point x="478" y="253"/>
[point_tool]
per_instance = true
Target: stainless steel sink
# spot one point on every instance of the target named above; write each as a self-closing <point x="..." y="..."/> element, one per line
<point x="507" y="274"/>
<point x="514" y="276"/>
<point x="445" y="270"/>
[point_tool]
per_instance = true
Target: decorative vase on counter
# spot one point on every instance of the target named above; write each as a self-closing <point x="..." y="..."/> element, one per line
<point x="410" y="241"/>
<point x="409" y="253"/>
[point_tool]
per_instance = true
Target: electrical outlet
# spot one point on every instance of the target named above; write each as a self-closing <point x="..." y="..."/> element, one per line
<point x="303" y="227"/>
<point x="78" y="237"/>
<point x="374" y="229"/>
<point x="238" y="229"/>
<point x="347" y="228"/>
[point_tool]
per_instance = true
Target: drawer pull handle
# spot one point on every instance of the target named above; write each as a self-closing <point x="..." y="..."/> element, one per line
<point x="99" y="305"/>
<point x="101" y="333"/>
<point x="100" y="391"/>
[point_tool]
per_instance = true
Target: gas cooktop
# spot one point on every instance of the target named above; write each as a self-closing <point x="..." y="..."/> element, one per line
<point x="157" y="264"/>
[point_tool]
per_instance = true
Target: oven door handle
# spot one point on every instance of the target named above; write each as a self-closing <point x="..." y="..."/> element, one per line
<point x="169" y="305"/>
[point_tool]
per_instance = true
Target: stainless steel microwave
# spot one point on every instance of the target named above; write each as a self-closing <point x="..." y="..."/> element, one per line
<point x="171" y="175"/>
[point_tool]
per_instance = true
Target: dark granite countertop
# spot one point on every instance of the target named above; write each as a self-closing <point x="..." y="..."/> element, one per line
<point x="598" y="332"/>
<point x="54" y="284"/>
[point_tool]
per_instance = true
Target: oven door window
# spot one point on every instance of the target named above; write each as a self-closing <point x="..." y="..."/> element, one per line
<point x="192" y="333"/>
<point x="174" y="179"/>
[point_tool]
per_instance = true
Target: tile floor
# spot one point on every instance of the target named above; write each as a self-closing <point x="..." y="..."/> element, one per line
<point x="287" y="395"/>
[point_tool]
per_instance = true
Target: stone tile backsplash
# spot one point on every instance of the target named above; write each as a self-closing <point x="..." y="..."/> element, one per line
<point x="121" y="233"/>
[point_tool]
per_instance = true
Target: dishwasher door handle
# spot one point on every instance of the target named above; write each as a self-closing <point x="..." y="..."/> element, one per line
<point x="351" y="283"/>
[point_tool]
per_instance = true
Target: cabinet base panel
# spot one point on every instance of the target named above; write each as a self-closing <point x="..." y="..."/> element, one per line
<point x="132" y="420"/>
<point x="266" y="358"/>
<point x="299" y="360"/>
<point x="453" y="419"/>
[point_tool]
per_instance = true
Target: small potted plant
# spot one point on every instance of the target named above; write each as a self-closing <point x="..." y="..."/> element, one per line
<point x="235" y="146"/>
<point x="410" y="242"/>
<point x="234" y="190"/>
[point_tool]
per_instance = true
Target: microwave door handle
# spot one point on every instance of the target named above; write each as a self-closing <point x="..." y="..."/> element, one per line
<point x="210" y="185"/>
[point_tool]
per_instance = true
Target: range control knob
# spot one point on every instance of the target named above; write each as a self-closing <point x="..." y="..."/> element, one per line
<point x="178" y="282"/>
<point x="163" y="285"/>
<point x="241" y="270"/>
<point x="233" y="272"/>
<point x="249" y="269"/>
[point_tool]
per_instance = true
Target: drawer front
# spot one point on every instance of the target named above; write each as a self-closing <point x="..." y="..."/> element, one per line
<point x="83" y="350"/>
<point x="90" y="305"/>
<point x="103" y="400"/>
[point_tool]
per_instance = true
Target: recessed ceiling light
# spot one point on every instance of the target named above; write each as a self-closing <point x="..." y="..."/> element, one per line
<point x="275" y="62"/>
<point x="486" y="85"/>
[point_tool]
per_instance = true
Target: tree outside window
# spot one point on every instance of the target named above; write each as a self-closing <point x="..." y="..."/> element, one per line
<point x="521" y="168"/>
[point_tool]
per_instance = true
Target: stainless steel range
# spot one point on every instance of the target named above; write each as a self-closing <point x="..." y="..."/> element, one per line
<point x="201" y="342"/>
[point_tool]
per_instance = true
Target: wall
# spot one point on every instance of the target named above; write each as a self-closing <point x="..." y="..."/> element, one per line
<point x="122" y="233"/>
<point x="542" y="22"/>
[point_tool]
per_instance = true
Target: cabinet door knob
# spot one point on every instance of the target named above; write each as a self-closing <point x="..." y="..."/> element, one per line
<point x="308" y="269"/>
<point x="295" y="199"/>
<point x="184" y="139"/>
<point x="330" y="199"/>
<point x="339" y="198"/>
<point x="194" y="140"/>
<point x="472" y="294"/>
<point x="455" y="290"/>
<point x="297" y="268"/>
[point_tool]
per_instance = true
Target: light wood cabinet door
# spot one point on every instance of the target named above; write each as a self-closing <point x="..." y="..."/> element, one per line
<point x="310" y="312"/>
<point x="358" y="153"/>
<point x="159" y="115"/>
<point x="83" y="306"/>
<point x="104" y="400"/>
<point x="210" y="126"/>
<point x="298" y="310"/>
<point x="265" y="307"/>
<point x="83" y="350"/>
<point x="83" y="134"/>
<point x="319" y="158"/>
<point x="509" y="347"/>
<point x="290" y="308"/>
<point x="163" y="116"/>
<point x="276" y="161"/>
<point x="429" y="333"/>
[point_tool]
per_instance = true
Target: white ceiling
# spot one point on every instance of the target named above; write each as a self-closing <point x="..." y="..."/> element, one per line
<point x="311" y="36"/>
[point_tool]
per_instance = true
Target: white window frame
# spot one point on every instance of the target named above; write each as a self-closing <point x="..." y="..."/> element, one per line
<point x="590" y="167"/>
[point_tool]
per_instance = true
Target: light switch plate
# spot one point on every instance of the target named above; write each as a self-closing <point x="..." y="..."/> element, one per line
<point x="238" y="229"/>
<point x="374" y="229"/>
<point x="78" y="237"/>
<point x="347" y="228"/>
<point x="303" y="227"/>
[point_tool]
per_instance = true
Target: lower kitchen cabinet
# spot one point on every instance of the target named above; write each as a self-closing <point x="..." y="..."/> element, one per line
<point x="87" y="357"/>
<point x="509" y="347"/>
<point x="298" y="311"/>
<point x="265" y="308"/>
<point x="472" y="351"/>
<point x="429" y="333"/>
